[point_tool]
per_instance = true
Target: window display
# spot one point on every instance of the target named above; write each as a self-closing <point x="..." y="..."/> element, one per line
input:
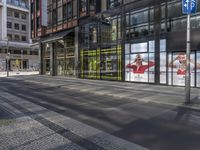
<point x="140" y="63"/>
<point x="104" y="63"/>
<point x="178" y="66"/>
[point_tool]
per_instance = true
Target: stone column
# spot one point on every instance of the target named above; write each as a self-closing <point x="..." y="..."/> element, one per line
<point x="76" y="42"/>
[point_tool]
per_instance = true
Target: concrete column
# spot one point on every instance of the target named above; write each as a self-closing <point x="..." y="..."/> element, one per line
<point x="3" y="21"/>
<point x="51" y="59"/>
<point x="157" y="27"/>
<point x="41" y="58"/>
<point x="76" y="42"/>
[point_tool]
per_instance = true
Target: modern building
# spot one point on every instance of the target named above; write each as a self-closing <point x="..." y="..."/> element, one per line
<point x="123" y="40"/>
<point x="15" y="37"/>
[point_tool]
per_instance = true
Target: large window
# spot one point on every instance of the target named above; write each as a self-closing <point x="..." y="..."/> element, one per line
<point x="104" y="63"/>
<point x="140" y="62"/>
<point x="9" y="24"/>
<point x="83" y="7"/>
<point x="114" y="3"/>
<point x="59" y="15"/>
<point x="115" y="28"/>
<point x="139" y="23"/>
<point x="69" y="10"/>
<point x="89" y="34"/>
<point x="176" y="21"/>
<point x="173" y="66"/>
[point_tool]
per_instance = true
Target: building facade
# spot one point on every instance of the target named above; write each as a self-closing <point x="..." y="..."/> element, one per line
<point x="15" y="38"/>
<point x="124" y="40"/>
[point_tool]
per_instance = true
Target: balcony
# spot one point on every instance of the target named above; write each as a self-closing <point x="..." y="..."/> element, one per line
<point x="19" y="3"/>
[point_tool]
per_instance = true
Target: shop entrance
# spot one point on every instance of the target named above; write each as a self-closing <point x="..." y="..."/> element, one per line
<point x="46" y="66"/>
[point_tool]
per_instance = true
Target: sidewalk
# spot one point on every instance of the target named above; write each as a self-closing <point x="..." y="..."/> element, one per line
<point x="36" y="127"/>
<point x="14" y="73"/>
<point x="168" y="95"/>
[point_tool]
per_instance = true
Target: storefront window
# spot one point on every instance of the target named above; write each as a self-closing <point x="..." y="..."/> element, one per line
<point x="198" y="69"/>
<point x="110" y="63"/>
<point x="90" y="64"/>
<point x="140" y="62"/>
<point x="101" y="64"/>
<point x="178" y="65"/>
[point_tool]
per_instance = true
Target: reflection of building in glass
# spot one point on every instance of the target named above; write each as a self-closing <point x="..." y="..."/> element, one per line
<point x="101" y="40"/>
<point x="15" y="37"/>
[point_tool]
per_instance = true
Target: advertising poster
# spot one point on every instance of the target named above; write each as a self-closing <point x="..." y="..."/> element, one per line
<point x="139" y="66"/>
<point x="178" y="65"/>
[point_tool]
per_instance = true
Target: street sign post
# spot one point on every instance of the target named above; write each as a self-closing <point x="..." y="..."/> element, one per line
<point x="188" y="7"/>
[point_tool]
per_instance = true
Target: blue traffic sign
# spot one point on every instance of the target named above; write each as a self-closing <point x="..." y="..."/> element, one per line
<point x="189" y="6"/>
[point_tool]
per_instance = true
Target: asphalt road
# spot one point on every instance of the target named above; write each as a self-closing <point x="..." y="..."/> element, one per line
<point x="154" y="126"/>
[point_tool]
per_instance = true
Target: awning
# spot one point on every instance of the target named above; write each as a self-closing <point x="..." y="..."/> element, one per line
<point x="56" y="36"/>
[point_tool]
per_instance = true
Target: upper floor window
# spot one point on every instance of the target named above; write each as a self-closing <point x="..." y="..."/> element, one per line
<point x="9" y="25"/>
<point x="17" y="37"/>
<point x="59" y="14"/>
<point x="83" y="7"/>
<point x="24" y="38"/>
<point x="23" y="16"/>
<point x="114" y="3"/>
<point x="37" y="5"/>
<point x="16" y="15"/>
<point x="9" y="13"/>
<point x="9" y="37"/>
<point x="54" y="16"/>
<point x="23" y="27"/>
<point x="69" y="10"/>
<point x="38" y="22"/>
<point x="16" y="26"/>
<point x="32" y="7"/>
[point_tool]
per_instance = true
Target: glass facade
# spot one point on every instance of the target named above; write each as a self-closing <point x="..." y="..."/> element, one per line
<point x="60" y="56"/>
<point x="140" y="62"/>
<point x="101" y="51"/>
<point x="101" y="63"/>
<point x="133" y="43"/>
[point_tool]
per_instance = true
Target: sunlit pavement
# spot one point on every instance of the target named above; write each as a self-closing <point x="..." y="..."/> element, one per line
<point x="18" y="73"/>
<point x="44" y="112"/>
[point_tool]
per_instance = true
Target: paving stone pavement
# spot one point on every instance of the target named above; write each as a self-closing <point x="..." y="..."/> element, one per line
<point x="35" y="127"/>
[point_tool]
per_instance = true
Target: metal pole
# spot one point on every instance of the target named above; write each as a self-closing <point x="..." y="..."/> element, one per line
<point x="21" y="60"/>
<point x="7" y="60"/>
<point x="187" y="76"/>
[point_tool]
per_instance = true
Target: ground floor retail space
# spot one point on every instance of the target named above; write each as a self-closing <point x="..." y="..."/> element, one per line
<point x="60" y="55"/>
<point x="19" y="64"/>
<point x="132" y="62"/>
